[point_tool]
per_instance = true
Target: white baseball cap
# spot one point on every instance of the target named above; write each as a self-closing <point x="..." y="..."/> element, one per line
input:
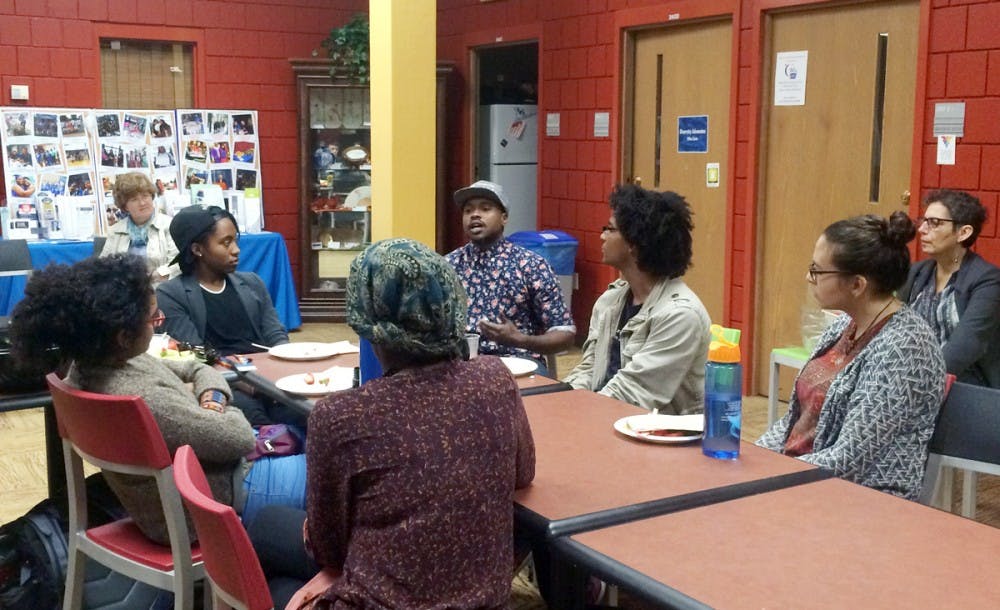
<point x="484" y="189"/>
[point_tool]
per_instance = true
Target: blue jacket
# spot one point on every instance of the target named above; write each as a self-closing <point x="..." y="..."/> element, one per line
<point x="972" y="353"/>
<point x="182" y="302"/>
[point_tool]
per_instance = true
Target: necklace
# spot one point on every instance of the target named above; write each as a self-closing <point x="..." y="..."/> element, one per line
<point x="853" y="341"/>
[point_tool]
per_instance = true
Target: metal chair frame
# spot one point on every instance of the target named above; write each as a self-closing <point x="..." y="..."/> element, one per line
<point x="118" y="434"/>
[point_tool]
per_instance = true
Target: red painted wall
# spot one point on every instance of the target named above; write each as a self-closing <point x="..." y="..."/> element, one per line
<point x="241" y="61"/>
<point x="580" y="74"/>
<point x="963" y="65"/>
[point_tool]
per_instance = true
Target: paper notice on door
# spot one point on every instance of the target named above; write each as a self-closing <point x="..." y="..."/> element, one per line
<point x="712" y="175"/>
<point x="946" y="150"/>
<point x="790" y="78"/>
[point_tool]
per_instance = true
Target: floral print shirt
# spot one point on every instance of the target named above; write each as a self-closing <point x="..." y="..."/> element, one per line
<point x="508" y="280"/>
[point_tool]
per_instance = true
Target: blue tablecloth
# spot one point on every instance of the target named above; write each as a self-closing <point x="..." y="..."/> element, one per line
<point x="262" y="253"/>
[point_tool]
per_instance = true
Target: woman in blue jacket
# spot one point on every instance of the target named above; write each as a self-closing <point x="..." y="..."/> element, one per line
<point x="956" y="290"/>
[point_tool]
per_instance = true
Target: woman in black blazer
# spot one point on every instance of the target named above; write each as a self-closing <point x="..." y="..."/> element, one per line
<point x="956" y="290"/>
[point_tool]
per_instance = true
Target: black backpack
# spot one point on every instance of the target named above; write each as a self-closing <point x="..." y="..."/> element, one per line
<point x="33" y="555"/>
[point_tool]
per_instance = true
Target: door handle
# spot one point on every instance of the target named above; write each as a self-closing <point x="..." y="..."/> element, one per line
<point x="637" y="181"/>
<point x="904" y="199"/>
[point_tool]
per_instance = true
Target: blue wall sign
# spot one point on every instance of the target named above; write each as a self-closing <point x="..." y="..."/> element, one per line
<point x="692" y="134"/>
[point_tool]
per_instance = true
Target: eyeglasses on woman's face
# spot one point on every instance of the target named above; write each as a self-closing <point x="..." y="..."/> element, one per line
<point x="932" y="222"/>
<point x="157" y="318"/>
<point x="813" y="273"/>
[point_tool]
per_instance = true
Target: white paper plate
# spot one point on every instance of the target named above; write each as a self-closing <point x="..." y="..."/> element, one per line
<point x="361" y="196"/>
<point x="636" y="425"/>
<point x="519" y="366"/>
<point x="339" y="378"/>
<point x="311" y="351"/>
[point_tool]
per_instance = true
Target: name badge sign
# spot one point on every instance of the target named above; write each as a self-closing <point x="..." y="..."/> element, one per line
<point x="692" y="134"/>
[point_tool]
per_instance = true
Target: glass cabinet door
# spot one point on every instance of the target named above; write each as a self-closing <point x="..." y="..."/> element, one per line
<point x="334" y="185"/>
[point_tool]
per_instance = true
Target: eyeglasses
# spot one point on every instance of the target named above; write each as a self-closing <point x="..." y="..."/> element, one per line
<point x="932" y="222"/>
<point x="609" y="229"/>
<point x="813" y="273"/>
<point x="157" y="318"/>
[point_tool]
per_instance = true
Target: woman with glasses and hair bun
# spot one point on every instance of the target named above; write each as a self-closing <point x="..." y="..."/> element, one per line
<point x="956" y="290"/>
<point x="865" y="404"/>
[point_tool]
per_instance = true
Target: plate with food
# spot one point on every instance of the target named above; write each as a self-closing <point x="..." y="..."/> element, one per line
<point x="665" y="429"/>
<point x="306" y="350"/>
<point x="318" y="384"/>
<point x="519" y="366"/>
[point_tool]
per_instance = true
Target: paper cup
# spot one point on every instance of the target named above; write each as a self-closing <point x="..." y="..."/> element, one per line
<point x="473" y="340"/>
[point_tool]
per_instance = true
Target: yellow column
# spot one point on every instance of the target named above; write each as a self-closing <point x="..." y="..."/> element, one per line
<point x="403" y="39"/>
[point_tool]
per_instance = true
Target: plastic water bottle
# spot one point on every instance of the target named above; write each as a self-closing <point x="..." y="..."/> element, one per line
<point x="723" y="400"/>
<point x="370" y="366"/>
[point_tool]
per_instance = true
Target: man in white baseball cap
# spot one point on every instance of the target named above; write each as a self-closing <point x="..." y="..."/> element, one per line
<point x="515" y="303"/>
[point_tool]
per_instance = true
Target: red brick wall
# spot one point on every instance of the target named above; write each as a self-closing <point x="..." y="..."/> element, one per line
<point x="579" y="75"/>
<point x="963" y="65"/>
<point x="242" y="51"/>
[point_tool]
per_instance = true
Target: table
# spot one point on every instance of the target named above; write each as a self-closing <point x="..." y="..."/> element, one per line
<point x="589" y="476"/>
<point x="271" y="369"/>
<point x="262" y="253"/>
<point x="829" y="544"/>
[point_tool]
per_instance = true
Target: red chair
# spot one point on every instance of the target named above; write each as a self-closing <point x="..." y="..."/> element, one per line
<point x="230" y="560"/>
<point x="118" y="434"/>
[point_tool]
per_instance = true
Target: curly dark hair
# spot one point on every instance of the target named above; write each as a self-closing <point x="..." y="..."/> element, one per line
<point x="658" y="225"/>
<point x="874" y="247"/>
<point x="81" y="309"/>
<point x="964" y="209"/>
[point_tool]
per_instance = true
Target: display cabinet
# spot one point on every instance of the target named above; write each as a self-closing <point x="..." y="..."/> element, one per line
<point x="335" y="182"/>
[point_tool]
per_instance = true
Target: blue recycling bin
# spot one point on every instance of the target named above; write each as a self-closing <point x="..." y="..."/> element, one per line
<point x="557" y="247"/>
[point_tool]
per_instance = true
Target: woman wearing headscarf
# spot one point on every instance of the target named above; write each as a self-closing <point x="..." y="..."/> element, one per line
<point x="956" y="290"/>
<point x="865" y="404"/>
<point x="144" y="231"/>
<point x="411" y="476"/>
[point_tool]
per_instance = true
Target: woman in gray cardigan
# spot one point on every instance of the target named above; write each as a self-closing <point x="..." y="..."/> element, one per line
<point x="955" y="290"/>
<point x="100" y="313"/>
<point x="865" y="404"/>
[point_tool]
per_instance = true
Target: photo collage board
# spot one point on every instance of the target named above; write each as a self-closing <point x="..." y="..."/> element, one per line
<point x="49" y="171"/>
<point x="60" y="165"/>
<point x="219" y="148"/>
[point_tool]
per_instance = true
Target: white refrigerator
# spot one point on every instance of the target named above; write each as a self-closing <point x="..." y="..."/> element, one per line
<point x="508" y="155"/>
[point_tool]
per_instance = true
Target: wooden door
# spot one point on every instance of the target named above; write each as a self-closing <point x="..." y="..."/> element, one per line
<point x="684" y="71"/>
<point x="822" y="161"/>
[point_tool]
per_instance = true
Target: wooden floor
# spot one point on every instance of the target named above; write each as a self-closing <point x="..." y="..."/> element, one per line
<point x="23" y="482"/>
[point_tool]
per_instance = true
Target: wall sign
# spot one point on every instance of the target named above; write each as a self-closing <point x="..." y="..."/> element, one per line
<point x="692" y="134"/>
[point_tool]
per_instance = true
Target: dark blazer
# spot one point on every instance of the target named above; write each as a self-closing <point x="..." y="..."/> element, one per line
<point x="182" y="302"/>
<point x="972" y="353"/>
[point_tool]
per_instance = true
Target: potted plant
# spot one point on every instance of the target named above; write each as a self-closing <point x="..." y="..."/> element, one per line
<point x="347" y="47"/>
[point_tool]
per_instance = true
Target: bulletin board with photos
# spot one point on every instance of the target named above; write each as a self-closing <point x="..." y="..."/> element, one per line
<point x="60" y="166"/>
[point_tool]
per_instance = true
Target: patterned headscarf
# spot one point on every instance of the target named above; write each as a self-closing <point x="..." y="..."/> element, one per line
<point x="404" y="296"/>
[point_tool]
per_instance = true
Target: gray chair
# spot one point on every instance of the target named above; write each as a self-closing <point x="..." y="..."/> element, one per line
<point x="15" y="258"/>
<point x="99" y="244"/>
<point x="966" y="438"/>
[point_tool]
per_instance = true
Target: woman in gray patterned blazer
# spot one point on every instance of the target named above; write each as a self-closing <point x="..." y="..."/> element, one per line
<point x="865" y="404"/>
